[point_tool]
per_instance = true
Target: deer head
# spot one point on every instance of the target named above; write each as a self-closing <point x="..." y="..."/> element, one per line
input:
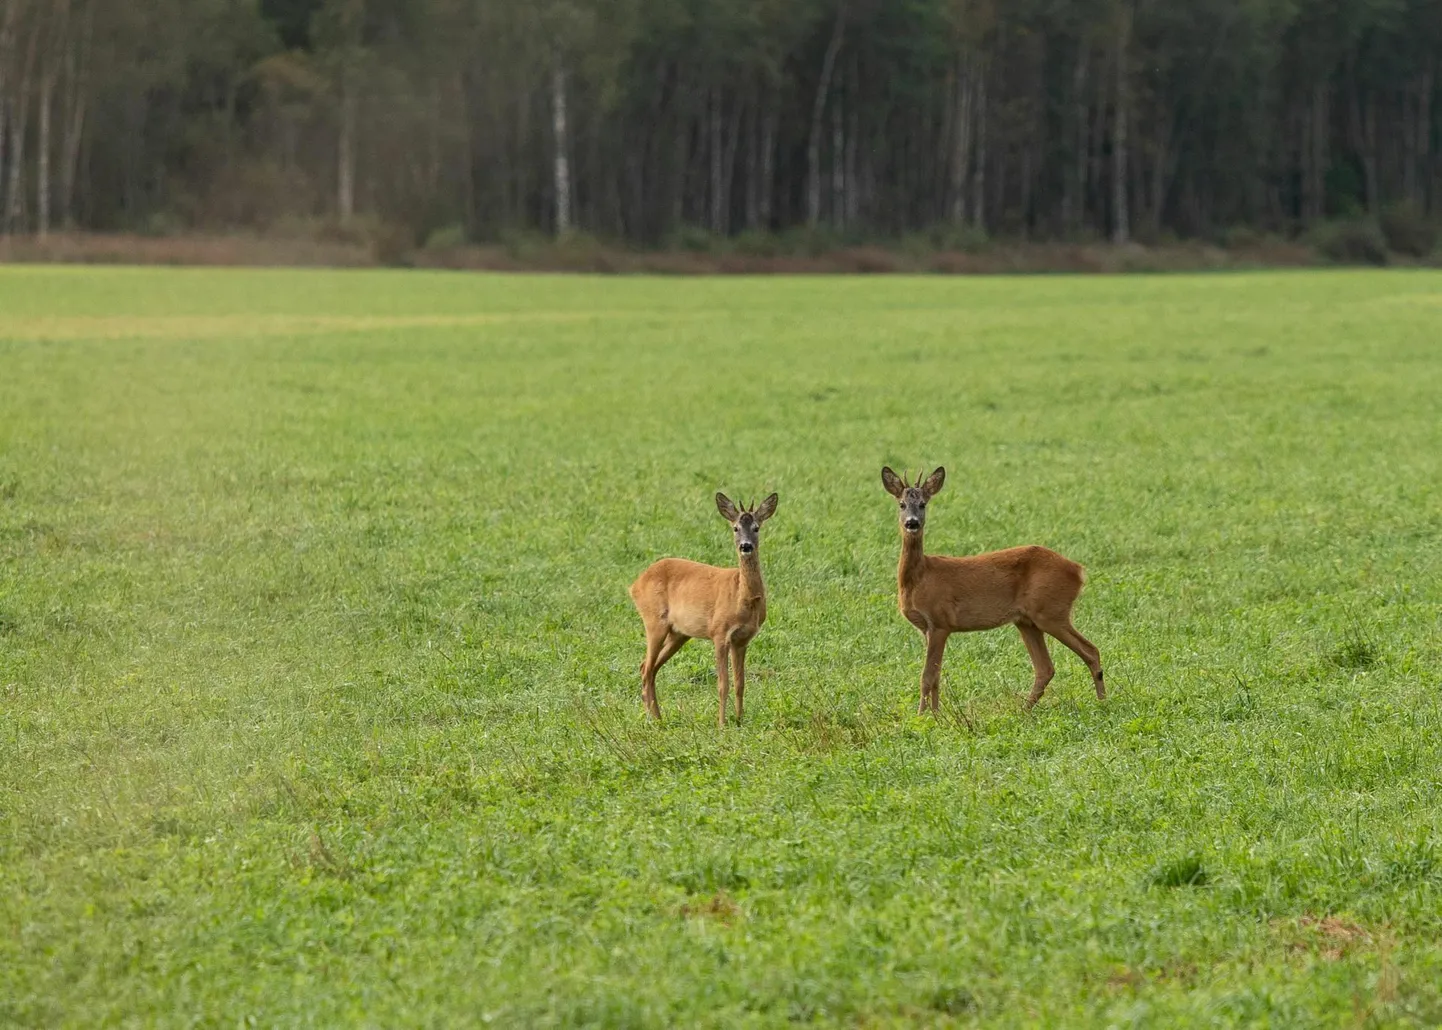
<point x="746" y="522"/>
<point x="912" y="499"/>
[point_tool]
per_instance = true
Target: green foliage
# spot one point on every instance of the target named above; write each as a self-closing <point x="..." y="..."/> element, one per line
<point x="757" y="243"/>
<point x="446" y="237"/>
<point x="1241" y="237"/>
<point x="694" y="238"/>
<point x="1409" y="230"/>
<point x="945" y="236"/>
<point x="320" y="688"/>
<point x="1353" y="241"/>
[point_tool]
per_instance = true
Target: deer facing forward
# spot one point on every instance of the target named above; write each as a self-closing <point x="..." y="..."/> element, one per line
<point x="680" y="599"/>
<point x="1030" y="587"/>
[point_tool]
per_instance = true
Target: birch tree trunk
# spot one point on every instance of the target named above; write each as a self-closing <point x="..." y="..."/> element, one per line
<point x="345" y="148"/>
<point x="818" y="109"/>
<point x="76" y="73"/>
<point x="15" y="198"/>
<point x="978" y="181"/>
<point x="42" y="154"/>
<point x="7" y="43"/>
<point x="562" y="144"/>
<point x="853" y="142"/>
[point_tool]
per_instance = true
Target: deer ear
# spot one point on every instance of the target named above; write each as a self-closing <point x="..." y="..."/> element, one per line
<point x="932" y="486"/>
<point x="726" y="508"/>
<point x="766" y="510"/>
<point x="892" y="482"/>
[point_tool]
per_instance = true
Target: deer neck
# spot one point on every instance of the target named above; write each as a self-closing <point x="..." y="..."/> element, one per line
<point x="908" y="571"/>
<point x="752" y="588"/>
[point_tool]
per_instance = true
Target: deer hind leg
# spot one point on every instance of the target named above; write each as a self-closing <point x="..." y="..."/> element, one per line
<point x="723" y="654"/>
<point x="1035" y="643"/>
<point x="671" y="645"/>
<point x="931" y="674"/>
<point x="1085" y="650"/>
<point x="656" y="637"/>
<point x="738" y="666"/>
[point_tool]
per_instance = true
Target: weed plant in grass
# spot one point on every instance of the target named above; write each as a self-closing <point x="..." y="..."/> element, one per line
<point x="319" y="675"/>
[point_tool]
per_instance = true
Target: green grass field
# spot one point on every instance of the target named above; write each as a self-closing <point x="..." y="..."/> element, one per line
<point x="319" y="674"/>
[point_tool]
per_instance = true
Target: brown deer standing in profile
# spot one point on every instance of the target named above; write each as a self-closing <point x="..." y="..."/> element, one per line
<point x="680" y="599"/>
<point x="1030" y="587"/>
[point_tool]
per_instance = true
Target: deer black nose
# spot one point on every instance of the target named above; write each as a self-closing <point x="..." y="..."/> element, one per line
<point x="747" y="548"/>
<point x="912" y="524"/>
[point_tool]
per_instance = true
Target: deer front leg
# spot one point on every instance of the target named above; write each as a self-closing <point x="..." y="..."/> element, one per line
<point x="738" y="666"/>
<point x="931" y="674"/>
<point x="723" y="652"/>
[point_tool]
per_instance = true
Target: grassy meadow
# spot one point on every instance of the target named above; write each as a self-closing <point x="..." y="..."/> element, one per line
<point x="319" y="699"/>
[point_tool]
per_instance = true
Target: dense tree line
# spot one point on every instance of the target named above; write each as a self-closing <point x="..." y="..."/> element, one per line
<point x="641" y="119"/>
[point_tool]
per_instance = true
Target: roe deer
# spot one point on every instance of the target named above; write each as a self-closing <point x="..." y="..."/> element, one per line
<point x="1030" y="587"/>
<point x="680" y="599"/>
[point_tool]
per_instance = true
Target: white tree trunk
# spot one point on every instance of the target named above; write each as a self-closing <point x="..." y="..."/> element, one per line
<point x="562" y="145"/>
<point x="19" y="116"/>
<point x="345" y="148"/>
<point x="15" y="201"/>
<point x="70" y="152"/>
<point x="853" y="147"/>
<point x="818" y="109"/>
<point x="978" y="182"/>
<point x="42" y="156"/>
<point x="7" y="42"/>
